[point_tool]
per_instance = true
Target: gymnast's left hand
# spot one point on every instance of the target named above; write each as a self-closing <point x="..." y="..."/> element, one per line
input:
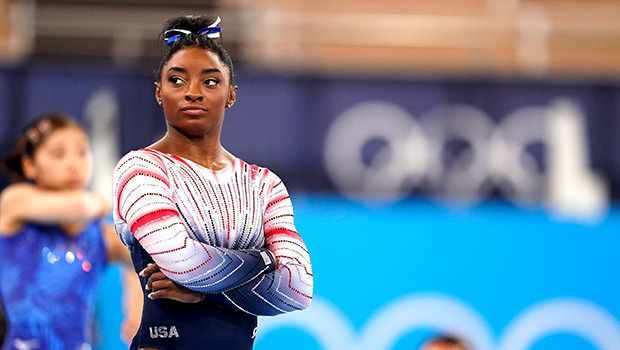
<point x="161" y="287"/>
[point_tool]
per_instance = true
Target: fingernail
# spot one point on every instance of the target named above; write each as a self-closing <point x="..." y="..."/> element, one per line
<point x="141" y="273"/>
<point x="150" y="296"/>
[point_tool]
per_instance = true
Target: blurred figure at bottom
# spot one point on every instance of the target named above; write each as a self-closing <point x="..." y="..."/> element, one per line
<point x="445" y="342"/>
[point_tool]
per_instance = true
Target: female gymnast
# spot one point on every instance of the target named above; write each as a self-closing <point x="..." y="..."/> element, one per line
<point x="213" y="236"/>
<point x="53" y="245"/>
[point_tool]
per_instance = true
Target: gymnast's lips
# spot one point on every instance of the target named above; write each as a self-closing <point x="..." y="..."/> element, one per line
<point x="193" y="109"/>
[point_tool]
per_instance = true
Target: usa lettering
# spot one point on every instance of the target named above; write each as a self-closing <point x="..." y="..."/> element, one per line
<point x="163" y="332"/>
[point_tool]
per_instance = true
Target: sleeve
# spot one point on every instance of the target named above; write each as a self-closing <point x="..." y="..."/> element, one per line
<point x="290" y="286"/>
<point x="143" y="204"/>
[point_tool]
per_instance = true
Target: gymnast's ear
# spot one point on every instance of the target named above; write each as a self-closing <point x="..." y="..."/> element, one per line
<point x="28" y="167"/>
<point x="232" y="96"/>
<point x="158" y="92"/>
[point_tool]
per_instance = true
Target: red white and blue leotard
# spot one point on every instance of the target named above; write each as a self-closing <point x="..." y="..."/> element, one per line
<point x="209" y="231"/>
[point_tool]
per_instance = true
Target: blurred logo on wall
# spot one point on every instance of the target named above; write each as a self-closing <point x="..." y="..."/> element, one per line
<point x="445" y="314"/>
<point x="536" y="155"/>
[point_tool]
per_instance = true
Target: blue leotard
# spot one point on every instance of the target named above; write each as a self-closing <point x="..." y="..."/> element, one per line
<point x="48" y="282"/>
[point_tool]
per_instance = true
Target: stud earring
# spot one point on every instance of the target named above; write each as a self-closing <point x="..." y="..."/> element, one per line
<point x="229" y="104"/>
<point x="160" y="103"/>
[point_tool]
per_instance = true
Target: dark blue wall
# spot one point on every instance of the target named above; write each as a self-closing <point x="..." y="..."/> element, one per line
<point x="281" y="121"/>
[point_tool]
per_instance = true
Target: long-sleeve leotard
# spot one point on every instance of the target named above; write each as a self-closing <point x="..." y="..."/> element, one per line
<point x="209" y="230"/>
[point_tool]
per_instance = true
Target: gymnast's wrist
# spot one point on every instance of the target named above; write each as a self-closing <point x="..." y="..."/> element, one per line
<point x="269" y="258"/>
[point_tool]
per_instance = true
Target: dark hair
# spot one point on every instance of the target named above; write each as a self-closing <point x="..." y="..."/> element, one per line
<point x="29" y="140"/>
<point x="193" y="24"/>
<point x="447" y="339"/>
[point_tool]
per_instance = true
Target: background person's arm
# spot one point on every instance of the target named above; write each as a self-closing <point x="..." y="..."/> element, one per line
<point x="24" y="202"/>
<point x="132" y="294"/>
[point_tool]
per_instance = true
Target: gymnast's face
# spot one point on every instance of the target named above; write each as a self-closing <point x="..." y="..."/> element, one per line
<point x="194" y="90"/>
<point x="63" y="160"/>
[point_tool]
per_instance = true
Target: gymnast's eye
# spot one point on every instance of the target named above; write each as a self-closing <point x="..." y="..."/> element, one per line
<point x="57" y="153"/>
<point x="175" y="80"/>
<point x="211" y="82"/>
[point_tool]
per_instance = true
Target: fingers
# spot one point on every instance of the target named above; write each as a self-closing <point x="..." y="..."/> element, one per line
<point x="161" y="289"/>
<point x="164" y="293"/>
<point x="157" y="295"/>
<point x="175" y="294"/>
<point x="157" y="281"/>
<point x="161" y="284"/>
<point x="149" y="269"/>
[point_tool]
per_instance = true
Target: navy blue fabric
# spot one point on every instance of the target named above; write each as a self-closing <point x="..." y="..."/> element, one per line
<point x="171" y="325"/>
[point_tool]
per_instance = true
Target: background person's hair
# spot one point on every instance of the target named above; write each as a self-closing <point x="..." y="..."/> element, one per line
<point x="30" y="138"/>
<point x="446" y="339"/>
<point x="193" y="24"/>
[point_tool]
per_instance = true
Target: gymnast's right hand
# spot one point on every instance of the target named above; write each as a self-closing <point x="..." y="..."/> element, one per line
<point x="161" y="287"/>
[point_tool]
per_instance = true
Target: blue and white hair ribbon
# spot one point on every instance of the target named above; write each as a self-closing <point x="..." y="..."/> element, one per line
<point x="212" y="31"/>
<point x="173" y="35"/>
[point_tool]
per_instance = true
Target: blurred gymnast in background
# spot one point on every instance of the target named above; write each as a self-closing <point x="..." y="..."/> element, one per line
<point x="220" y="231"/>
<point x="53" y="245"/>
<point x="445" y="342"/>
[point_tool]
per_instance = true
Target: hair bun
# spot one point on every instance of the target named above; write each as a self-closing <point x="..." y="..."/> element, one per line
<point x="191" y="23"/>
<point x="211" y="31"/>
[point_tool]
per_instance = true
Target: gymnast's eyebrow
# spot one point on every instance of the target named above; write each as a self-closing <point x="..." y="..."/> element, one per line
<point x="204" y="71"/>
